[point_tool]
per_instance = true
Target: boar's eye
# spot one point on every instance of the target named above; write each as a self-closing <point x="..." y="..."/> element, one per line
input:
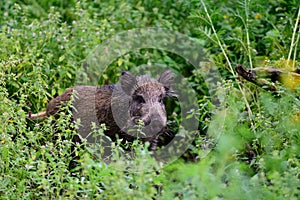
<point x="139" y="99"/>
<point x="160" y="99"/>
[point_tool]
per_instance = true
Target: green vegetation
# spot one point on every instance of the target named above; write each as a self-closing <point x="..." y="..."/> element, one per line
<point x="44" y="44"/>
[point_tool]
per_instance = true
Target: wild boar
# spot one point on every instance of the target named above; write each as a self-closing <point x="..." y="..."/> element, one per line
<point x="136" y="100"/>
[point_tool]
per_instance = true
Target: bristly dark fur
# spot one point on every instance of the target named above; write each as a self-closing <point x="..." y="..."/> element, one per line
<point x="121" y="107"/>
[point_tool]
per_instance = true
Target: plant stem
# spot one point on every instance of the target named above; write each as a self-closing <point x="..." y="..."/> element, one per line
<point x="295" y="51"/>
<point x="217" y="38"/>
<point x="226" y="57"/>
<point x="293" y="38"/>
<point x="247" y="34"/>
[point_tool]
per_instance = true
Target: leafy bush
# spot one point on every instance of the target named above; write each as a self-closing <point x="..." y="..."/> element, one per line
<point x="44" y="46"/>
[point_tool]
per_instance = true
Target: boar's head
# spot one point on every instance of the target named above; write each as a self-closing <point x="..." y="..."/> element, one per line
<point x="145" y="103"/>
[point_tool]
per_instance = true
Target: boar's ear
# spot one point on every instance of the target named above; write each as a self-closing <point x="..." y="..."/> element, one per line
<point x="128" y="82"/>
<point x="167" y="79"/>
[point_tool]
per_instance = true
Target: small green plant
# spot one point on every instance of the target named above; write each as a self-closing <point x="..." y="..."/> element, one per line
<point x="253" y="149"/>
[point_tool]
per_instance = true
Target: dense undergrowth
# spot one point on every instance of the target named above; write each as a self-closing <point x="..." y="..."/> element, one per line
<point x="44" y="45"/>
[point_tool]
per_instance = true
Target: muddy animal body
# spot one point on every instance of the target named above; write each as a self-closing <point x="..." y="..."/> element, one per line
<point x="121" y="107"/>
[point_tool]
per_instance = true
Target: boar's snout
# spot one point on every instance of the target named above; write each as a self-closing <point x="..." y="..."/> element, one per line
<point x="156" y="120"/>
<point x="146" y="120"/>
